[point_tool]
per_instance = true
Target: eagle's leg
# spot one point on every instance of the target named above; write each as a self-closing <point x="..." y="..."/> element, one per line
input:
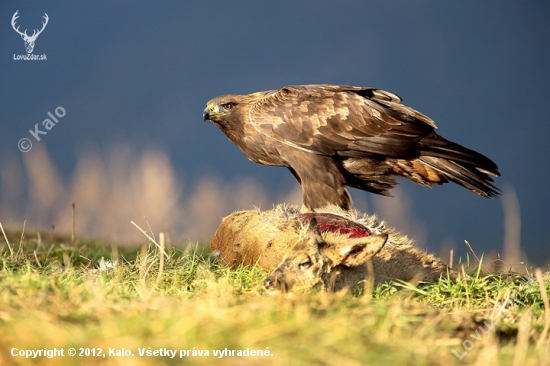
<point x="321" y="179"/>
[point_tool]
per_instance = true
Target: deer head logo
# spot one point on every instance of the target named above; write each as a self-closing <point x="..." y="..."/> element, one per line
<point x="29" y="40"/>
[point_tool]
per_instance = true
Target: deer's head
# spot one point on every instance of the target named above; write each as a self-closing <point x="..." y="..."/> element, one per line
<point x="314" y="262"/>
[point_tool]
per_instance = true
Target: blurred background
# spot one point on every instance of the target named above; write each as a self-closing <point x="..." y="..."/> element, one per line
<point x="134" y="77"/>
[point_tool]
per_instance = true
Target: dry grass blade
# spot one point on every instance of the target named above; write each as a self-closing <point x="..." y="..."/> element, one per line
<point x="39" y="239"/>
<point x="150" y="238"/>
<point x="522" y="344"/>
<point x="370" y="280"/>
<point x="150" y="229"/>
<point x="471" y="250"/>
<point x="7" y="241"/>
<point x="543" y="337"/>
<point x="36" y="258"/>
<point x="66" y="260"/>
<point x="49" y="251"/>
<point x="114" y="252"/>
<point x="22" y="237"/>
<point x="74" y="225"/>
<point x="90" y="262"/>
<point x="161" y="259"/>
<point x="465" y="283"/>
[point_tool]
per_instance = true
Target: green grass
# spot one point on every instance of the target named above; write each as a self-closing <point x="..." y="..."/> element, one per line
<point x="53" y="296"/>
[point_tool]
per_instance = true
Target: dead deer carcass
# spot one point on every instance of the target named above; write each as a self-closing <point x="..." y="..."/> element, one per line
<point x="328" y="247"/>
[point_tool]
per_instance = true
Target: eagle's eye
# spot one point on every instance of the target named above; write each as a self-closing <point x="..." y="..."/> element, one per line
<point x="227" y="106"/>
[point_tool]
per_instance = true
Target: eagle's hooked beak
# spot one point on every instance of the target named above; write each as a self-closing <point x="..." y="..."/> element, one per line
<point x="206" y="114"/>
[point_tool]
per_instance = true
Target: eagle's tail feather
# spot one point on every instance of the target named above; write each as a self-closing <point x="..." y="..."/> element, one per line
<point x="436" y="146"/>
<point x="467" y="175"/>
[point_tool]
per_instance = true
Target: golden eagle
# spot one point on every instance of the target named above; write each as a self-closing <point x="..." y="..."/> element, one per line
<point x="331" y="136"/>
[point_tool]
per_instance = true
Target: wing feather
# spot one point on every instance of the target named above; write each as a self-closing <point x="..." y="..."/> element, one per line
<point x="340" y="120"/>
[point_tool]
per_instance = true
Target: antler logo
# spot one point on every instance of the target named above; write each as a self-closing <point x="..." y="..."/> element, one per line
<point x="29" y="40"/>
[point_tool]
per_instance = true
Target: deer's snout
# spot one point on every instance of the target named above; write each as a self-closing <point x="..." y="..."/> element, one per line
<point x="269" y="284"/>
<point x="274" y="284"/>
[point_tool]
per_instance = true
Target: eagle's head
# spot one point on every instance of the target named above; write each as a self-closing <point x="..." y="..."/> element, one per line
<point x="218" y="109"/>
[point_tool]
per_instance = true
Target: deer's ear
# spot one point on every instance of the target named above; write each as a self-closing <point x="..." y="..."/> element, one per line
<point x="313" y="231"/>
<point x="355" y="252"/>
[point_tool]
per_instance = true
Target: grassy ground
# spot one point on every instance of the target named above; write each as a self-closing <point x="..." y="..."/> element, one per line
<point x="66" y="297"/>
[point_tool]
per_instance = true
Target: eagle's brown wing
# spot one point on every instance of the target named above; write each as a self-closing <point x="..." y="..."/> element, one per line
<point x="358" y="122"/>
<point x="342" y="120"/>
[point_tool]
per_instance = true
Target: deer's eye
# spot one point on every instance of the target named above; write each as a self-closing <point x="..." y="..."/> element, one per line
<point x="227" y="106"/>
<point x="305" y="264"/>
